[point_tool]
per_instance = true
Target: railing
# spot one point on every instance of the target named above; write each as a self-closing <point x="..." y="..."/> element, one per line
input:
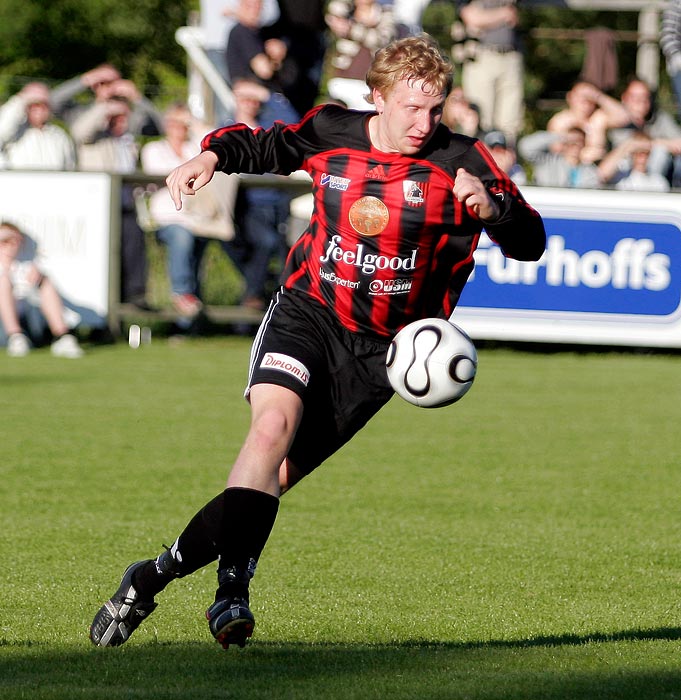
<point x="227" y="314"/>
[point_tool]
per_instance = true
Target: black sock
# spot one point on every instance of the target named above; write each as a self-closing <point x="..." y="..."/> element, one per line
<point x="197" y="545"/>
<point x="234" y="525"/>
<point x="248" y="518"/>
<point x="194" y="548"/>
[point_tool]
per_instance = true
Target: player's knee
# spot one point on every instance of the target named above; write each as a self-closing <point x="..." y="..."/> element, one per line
<point x="272" y="428"/>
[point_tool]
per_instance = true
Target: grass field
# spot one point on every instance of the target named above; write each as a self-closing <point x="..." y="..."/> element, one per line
<point x="524" y="543"/>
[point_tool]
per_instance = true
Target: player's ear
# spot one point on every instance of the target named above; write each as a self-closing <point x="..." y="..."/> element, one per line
<point x="379" y="102"/>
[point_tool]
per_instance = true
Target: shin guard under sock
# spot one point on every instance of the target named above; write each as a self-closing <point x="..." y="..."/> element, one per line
<point x="248" y="518"/>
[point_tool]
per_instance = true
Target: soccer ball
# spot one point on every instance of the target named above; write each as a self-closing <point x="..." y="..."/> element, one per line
<point x="431" y="363"/>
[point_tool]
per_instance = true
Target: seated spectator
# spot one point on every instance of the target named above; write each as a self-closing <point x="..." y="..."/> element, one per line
<point x="106" y="144"/>
<point x="557" y="159"/>
<point x="358" y="30"/>
<point x="28" y="297"/>
<point x="260" y="247"/>
<point x="505" y="156"/>
<point x="254" y="55"/>
<point x="207" y="215"/>
<point x="643" y="115"/>
<point x="28" y="137"/>
<point x="217" y="17"/>
<point x="102" y="84"/>
<point x="592" y="111"/>
<point x="104" y="139"/>
<point x="626" y="167"/>
<point x="301" y="25"/>
<point x="462" y="116"/>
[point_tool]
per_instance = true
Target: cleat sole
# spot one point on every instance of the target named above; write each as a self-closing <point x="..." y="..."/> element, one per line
<point x="230" y="621"/>
<point x="236" y="632"/>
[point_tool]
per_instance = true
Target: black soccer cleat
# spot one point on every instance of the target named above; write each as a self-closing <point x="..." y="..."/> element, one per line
<point x="122" y="614"/>
<point x="230" y="621"/>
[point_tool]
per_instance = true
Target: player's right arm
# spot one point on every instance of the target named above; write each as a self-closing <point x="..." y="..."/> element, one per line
<point x="191" y="176"/>
<point x="235" y="149"/>
<point x="281" y="149"/>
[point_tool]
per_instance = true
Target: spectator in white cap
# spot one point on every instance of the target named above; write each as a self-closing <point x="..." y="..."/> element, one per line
<point x="28" y="138"/>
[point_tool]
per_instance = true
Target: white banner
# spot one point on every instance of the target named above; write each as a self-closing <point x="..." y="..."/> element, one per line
<point x="611" y="274"/>
<point x="69" y="216"/>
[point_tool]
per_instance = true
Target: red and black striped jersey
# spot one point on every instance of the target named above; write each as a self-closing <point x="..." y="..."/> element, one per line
<point x="388" y="242"/>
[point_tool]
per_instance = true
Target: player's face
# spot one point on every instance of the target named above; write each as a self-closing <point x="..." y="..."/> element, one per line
<point x="407" y="116"/>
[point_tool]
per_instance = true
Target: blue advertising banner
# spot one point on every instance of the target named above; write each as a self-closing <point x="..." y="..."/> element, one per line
<point x="611" y="274"/>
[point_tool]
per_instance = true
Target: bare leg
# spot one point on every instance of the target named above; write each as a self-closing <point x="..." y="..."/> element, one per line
<point x="261" y="465"/>
<point x="8" y="307"/>
<point x="53" y="308"/>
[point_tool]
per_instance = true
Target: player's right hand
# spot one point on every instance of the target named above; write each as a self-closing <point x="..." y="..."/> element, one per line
<point x="191" y="176"/>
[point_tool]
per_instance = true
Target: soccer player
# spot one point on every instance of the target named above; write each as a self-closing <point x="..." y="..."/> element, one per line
<point x="399" y="205"/>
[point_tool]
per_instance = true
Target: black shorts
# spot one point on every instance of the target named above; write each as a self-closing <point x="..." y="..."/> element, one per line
<point x="339" y="375"/>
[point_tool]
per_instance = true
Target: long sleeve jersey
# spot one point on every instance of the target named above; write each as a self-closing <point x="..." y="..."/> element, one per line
<point x="387" y="242"/>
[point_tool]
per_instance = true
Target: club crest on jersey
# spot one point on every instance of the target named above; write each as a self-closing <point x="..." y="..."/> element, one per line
<point x="334" y="182"/>
<point x="414" y="192"/>
<point x="369" y="216"/>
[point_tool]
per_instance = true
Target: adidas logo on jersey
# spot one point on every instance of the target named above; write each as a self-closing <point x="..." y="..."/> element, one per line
<point x="376" y="173"/>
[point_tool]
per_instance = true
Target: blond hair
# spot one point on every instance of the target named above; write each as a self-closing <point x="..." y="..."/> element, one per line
<point x="411" y="58"/>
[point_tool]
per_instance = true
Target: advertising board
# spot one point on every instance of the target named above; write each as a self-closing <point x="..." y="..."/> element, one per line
<point x="68" y="215"/>
<point x="611" y="274"/>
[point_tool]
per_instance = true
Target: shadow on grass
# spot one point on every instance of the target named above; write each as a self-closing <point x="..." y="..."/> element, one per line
<point x="568" y="666"/>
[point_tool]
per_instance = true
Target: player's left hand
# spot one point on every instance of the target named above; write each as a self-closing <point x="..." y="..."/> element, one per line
<point x="469" y="190"/>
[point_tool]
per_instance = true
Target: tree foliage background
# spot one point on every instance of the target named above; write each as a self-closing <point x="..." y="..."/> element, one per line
<point x="56" y="40"/>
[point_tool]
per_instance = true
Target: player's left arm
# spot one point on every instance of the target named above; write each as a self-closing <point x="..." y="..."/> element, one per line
<point x="515" y="226"/>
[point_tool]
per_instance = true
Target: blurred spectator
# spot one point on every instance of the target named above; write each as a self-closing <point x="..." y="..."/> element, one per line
<point x="670" y="43"/>
<point x="626" y="167"/>
<point x="253" y="55"/>
<point x="207" y="215"/>
<point x="493" y="77"/>
<point x="105" y="143"/>
<point x="505" y="156"/>
<point x="28" y="138"/>
<point x="104" y="139"/>
<point x="591" y="110"/>
<point x="217" y="18"/>
<point x="460" y="115"/>
<point x="28" y="297"/>
<point x="303" y="28"/>
<point x="408" y="15"/>
<point x="260" y="247"/>
<point x="643" y="115"/>
<point x="557" y="159"/>
<point x="104" y="83"/>
<point x="359" y="29"/>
